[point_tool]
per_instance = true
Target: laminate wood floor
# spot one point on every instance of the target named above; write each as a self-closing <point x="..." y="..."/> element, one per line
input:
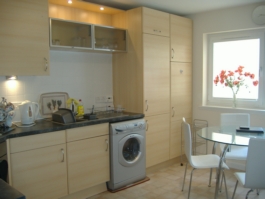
<point x="167" y="183"/>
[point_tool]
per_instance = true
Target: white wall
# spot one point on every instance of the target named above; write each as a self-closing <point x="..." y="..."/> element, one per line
<point x="83" y="75"/>
<point x="217" y="21"/>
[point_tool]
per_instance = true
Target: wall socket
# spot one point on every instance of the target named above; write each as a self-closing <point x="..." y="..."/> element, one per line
<point x="104" y="99"/>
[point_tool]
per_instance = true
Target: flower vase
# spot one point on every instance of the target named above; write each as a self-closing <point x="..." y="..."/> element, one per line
<point x="234" y="100"/>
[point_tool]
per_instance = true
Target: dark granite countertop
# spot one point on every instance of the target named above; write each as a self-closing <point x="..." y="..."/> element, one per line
<point x="8" y="192"/>
<point x="46" y="125"/>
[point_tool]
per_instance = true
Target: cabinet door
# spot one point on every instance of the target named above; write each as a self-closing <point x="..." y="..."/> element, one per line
<point x="181" y="38"/>
<point x="155" y="22"/>
<point x="40" y="173"/>
<point x="70" y="34"/>
<point x="24" y="37"/>
<point x="110" y="39"/>
<point x="181" y="90"/>
<point x="157" y="139"/>
<point x="156" y="74"/>
<point x="88" y="163"/>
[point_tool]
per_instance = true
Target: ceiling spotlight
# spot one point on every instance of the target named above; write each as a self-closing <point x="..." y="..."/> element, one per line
<point x="13" y="77"/>
<point x="101" y="8"/>
<point x="70" y="1"/>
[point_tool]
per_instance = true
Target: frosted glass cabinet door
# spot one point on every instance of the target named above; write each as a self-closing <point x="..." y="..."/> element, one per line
<point x="68" y="34"/>
<point x="109" y="39"/>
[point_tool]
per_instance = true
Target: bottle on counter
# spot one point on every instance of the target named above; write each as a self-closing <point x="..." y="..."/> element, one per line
<point x="80" y="108"/>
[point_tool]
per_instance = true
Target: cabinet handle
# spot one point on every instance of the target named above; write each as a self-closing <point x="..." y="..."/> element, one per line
<point x="147" y="125"/>
<point x="173" y="52"/>
<point x="157" y="30"/>
<point x="146" y="102"/>
<point x="62" y="151"/>
<point x="107" y="143"/>
<point x="181" y="71"/>
<point x="173" y="111"/>
<point x="46" y="64"/>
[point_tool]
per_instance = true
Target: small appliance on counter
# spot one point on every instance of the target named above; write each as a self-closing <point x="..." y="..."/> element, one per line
<point x="63" y="116"/>
<point x="28" y="112"/>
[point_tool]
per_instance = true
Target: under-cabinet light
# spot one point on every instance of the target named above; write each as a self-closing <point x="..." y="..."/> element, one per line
<point x="13" y="77"/>
<point x="70" y="1"/>
<point x="101" y="8"/>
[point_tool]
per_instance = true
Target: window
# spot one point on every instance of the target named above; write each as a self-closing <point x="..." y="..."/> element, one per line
<point x="227" y="51"/>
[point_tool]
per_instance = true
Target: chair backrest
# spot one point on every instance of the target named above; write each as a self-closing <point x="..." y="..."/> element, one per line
<point x="234" y="119"/>
<point x="187" y="139"/>
<point x="255" y="166"/>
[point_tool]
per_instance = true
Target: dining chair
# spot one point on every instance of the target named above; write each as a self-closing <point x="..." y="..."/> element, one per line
<point x="208" y="161"/>
<point x="235" y="119"/>
<point x="254" y="176"/>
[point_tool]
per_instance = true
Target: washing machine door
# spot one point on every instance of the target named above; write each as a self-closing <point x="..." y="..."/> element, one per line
<point x="131" y="149"/>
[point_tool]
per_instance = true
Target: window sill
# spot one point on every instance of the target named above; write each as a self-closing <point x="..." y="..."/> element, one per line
<point x="238" y="110"/>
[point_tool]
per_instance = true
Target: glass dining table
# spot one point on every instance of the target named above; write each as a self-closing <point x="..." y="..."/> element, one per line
<point x="227" y="135"/>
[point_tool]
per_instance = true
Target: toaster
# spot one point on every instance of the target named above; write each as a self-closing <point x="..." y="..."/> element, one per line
<point x="64" y="116"/>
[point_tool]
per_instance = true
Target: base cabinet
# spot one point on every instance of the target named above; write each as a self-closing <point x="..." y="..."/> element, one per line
<point x="157" y="139"/>
<point x="88" y="157"/>
<point x="39" y="172"/>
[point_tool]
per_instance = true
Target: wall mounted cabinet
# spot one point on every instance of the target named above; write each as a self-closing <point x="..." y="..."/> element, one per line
<point x="24" y="37"/>
<point x="82" y="36"/>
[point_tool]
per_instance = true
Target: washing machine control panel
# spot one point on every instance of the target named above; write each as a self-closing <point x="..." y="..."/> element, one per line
<point x="132" y="126"/>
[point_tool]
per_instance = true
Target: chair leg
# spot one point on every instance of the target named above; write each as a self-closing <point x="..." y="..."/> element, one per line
<point x="235" y="190"/>
<point x="184" y="176"/>
<point x="223" y="173"/>
<point x="248" y="193"/>
<point x="190" y="183"/>
<point x="257" y="191"/>
<point x="210" y="179"/>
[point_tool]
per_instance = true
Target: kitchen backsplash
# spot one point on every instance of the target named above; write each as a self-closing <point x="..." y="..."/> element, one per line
<point x="83" y="75"/>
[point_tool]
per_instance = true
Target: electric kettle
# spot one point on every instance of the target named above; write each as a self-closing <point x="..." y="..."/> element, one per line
<point x="28" y="112"/>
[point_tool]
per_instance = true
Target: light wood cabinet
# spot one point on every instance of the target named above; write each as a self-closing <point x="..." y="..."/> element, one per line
<point x="157" y="139"/>
<point x="24" y="37"/>
<point x="88" y="156"/>
<point x="155" y="22"/>
<point x="181" y="38"/>
<point x="181" y="80"/>
<point x="156" y="74"/>
<point x="141" y="78"/>
<point x="39" y="171"/>
<point x="181" y="90"/>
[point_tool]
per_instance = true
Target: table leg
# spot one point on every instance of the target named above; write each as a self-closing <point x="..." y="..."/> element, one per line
<point x="219" y="170"/>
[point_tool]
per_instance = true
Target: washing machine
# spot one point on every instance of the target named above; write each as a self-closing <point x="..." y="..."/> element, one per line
<point x="127" y="153"/>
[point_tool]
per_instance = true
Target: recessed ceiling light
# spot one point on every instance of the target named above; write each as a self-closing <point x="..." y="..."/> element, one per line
<point x="101" y="8"/>
<point x="70" y="1"/>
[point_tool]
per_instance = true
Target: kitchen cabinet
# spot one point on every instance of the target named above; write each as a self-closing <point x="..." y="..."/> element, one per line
<point x="155" y="22"/>
<point x="157" y="139"/>
<point x="82" y="36"/>
<point x="24" y="37"/>
<point x="141" y="78"/>
<point x="181" y="38"/>
<point x="156" y="74"/>
<point x="110" y="39"/>
<point x="37" y="165"/>
<point x="88" y="156"/>
<point x="68" y="34"/>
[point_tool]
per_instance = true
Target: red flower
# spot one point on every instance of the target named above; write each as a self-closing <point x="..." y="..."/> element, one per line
<point x="255" y="83"/>
<point x="252" y="76"/>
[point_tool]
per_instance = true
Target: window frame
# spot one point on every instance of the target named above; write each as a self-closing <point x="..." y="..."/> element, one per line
<point x="233" y="36"/>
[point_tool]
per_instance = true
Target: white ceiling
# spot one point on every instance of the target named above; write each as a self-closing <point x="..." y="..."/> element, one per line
<point x="181" y="7"/>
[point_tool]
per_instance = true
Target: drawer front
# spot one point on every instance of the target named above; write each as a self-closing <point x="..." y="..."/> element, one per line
<point x="36" y="141"/>
<point x="155" y="22"/>
<point x="87" y="132"/>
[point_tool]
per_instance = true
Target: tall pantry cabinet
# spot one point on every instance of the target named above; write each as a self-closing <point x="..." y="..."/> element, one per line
<point x="141" y="78"/>
<point x="154" y="78"/>
<point x="181" y="80"/>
